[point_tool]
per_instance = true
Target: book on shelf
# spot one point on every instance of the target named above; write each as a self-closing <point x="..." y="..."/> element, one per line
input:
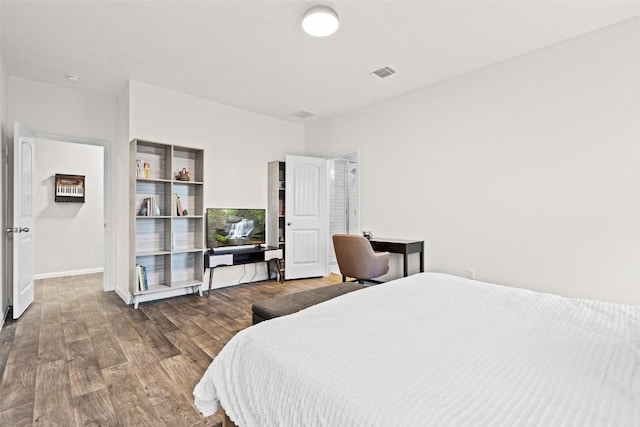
<point x="149" y="207"/>
<point x="179" y="207"/>
<point x="141" y="273"/>
<point x="174" y="204"/>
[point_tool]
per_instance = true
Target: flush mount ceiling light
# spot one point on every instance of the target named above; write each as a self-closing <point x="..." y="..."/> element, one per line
<point x="320" y="21"/>
<point x="72" y="77"/>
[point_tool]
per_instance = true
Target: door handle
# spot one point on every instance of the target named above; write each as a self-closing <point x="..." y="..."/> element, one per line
<point x="10" y="230"/>
<point x="23" y="230"/>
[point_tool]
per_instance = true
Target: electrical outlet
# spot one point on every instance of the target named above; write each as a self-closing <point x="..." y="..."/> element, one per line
<point x="471" y="273"/>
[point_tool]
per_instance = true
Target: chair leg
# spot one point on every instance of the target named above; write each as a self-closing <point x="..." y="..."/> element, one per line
<point x="361" y="281"/>
<point x="344" y="278"/>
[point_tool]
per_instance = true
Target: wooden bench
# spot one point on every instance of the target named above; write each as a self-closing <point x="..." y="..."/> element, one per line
<point x="288" y="304"/>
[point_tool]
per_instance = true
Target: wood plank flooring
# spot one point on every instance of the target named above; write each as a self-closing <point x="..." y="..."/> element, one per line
<point x="79" y="356"/>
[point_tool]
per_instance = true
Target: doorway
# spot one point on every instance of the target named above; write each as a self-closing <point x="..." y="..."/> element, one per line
<point x="70" y="231"/>
<point x="105" y="190"/>
<point x="343" y="201"/>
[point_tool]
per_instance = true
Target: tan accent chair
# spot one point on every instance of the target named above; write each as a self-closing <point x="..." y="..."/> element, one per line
<point x="357" y="259"/>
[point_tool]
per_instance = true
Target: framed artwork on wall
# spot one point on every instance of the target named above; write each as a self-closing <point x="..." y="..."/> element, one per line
<point x="69" y="188"/>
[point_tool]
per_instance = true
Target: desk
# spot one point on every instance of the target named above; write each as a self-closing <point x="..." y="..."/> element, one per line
<point x="228" y="257"/>
<point x="400" y="246"/>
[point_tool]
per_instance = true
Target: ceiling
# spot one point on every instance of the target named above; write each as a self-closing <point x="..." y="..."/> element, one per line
<point x="254" y="54"/>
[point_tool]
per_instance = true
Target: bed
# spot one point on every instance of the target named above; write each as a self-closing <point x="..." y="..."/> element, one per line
<point x="433" y="349"/>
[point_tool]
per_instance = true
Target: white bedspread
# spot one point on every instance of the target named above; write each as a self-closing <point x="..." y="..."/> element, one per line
<point x="438" y="350"/>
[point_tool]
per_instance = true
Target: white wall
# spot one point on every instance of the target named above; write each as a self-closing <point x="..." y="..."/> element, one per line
<point x="238" y="145"/>
<point x="526" y="170"/>
<point x="120" y="193"/>
<point x="61" y="110"/>
<point x="69" y="237"/>
<point x="69" y="112"/>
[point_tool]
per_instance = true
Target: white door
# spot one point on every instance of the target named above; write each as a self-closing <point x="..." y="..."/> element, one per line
<point x="305" y="217"/>
<point x="22" y="230"/>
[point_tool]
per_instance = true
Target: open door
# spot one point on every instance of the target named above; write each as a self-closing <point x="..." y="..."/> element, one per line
<point x="305" y="217"/>
<point x="22" y="230"/>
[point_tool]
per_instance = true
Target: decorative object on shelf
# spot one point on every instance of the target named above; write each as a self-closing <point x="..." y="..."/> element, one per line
<point x="183" y="175"/>
<point x="69" y="188"/>
<point x="139" y="169"/>
<point x="147" y="170"/>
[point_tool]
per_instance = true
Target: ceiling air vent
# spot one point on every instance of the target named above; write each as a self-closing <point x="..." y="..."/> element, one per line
<point x="384" y="72"/>
<point x="303" y="114"/>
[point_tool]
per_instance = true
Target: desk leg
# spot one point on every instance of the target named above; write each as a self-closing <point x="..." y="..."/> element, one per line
<point x="279" y="267"/>
<point x="210" y="281"/>
<point x="405" y="258"/>
<point x="273" y="265"/>
<point x="422" y="261"/>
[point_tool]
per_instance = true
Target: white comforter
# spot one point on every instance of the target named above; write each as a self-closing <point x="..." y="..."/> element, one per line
<point x="438" y="350"/>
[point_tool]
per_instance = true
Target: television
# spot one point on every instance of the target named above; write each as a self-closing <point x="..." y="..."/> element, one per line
<point x="235" y="227"/>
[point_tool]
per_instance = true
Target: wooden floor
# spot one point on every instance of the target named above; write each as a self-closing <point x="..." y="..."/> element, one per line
<point x="80" y="356"/>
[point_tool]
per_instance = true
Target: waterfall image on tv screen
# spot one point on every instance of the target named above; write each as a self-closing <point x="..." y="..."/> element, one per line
<point x="235" y="227"/>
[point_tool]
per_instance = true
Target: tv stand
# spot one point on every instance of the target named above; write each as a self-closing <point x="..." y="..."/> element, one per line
<point x="215" y="258"/>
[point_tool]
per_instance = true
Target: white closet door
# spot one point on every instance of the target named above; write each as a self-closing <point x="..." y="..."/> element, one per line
<point x="306" y="211"/>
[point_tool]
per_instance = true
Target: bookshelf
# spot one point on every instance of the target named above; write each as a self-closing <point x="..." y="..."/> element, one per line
<point x="165" y="242"/>
<point x="276" y="206"/>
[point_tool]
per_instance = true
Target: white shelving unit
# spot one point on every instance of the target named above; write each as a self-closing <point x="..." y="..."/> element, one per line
<point x="275" y="207"/>
<point x="168" y="245"/>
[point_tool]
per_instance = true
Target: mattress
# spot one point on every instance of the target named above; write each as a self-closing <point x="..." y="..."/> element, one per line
<point x="433" y="349"/>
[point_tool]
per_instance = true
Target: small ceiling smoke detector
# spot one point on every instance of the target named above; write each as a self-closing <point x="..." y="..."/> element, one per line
<point x="303" y="114"/>
<point x="320" y="21"/>
<point x="72" y="77"/>
<point x="383" y="72"/>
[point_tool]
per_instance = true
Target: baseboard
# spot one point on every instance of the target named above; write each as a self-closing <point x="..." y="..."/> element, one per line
<point x="67" y="273"/>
